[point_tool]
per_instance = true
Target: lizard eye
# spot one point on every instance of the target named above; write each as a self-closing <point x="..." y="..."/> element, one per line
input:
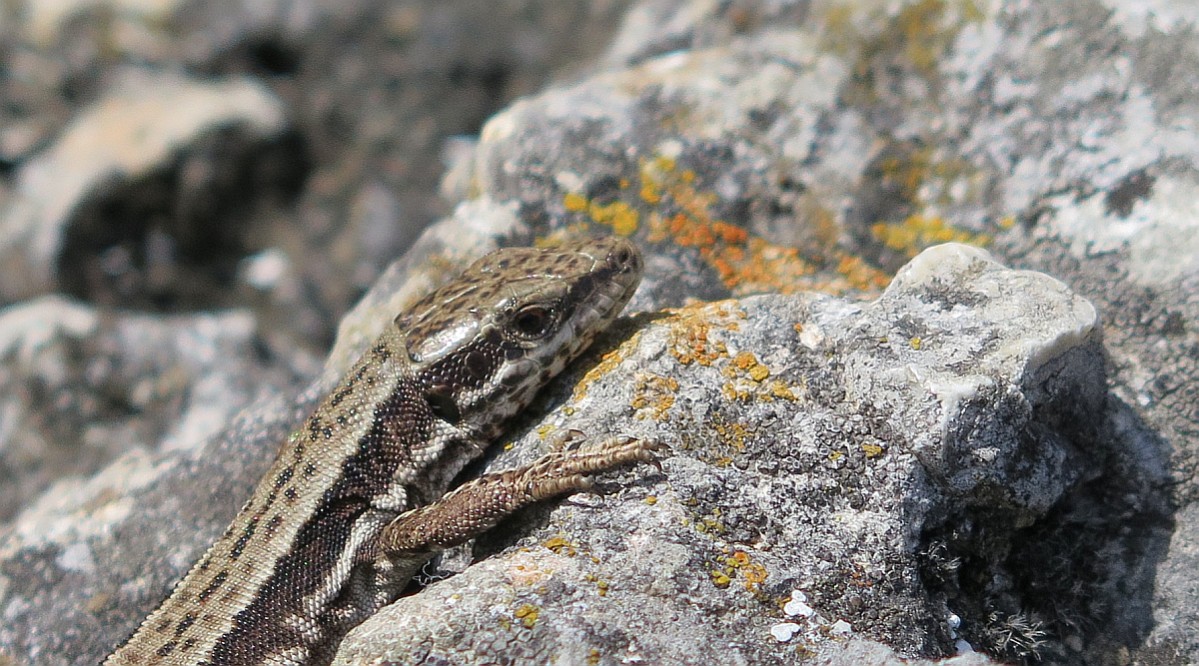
<point x="533" y="321"/>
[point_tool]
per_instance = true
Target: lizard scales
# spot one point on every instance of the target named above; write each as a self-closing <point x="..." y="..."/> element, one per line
<point x="355" y="503"/>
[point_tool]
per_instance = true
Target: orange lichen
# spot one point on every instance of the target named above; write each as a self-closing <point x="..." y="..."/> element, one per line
<point x="690" y="330"/>
<point x="743" y="262"/>
<point x="860" y="275"/>
<point x="734" y="435"/>
<point x="682" y="213"/>
<point x="607" y="363"/>
<point x="747" y="376"/>
<point x="739" y="564"/>
<point x="653" y="395"/>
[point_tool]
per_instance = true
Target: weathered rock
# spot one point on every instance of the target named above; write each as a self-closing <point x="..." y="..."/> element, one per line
<point x="81" y="387"/>
<point x="137" y="398"/>
<point x="821" y="446"/>
<point x="748" y="147"/>
<point x="66" y="202"/>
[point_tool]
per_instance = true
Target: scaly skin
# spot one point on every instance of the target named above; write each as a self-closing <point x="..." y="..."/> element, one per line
<point x="356" y="501"/>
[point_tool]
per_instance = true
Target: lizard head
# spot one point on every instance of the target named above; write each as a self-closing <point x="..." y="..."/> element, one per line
<point x="484" y="344"/>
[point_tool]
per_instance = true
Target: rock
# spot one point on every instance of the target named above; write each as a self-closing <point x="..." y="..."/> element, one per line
<point x="81" y="387"/>
<point x="66" y="202"/>
<point x="819" y="445"/>
<point x="973" y="463"/>
<point x="103" y="414"/>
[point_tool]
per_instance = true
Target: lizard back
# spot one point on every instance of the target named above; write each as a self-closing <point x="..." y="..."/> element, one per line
<point x="300" y="565"/>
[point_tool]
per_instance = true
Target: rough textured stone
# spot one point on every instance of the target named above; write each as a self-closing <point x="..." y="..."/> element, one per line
<point x="925" y="477"/>
<point x="80" y="387"/>
<point x="820" y="446"/>
<point x="134" y="136"/>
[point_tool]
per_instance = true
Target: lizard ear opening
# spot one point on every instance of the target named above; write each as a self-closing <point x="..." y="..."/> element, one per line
<point x="441" y="402"/>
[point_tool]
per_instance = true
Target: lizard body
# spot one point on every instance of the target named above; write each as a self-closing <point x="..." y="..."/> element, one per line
<point x="355" y="503"/>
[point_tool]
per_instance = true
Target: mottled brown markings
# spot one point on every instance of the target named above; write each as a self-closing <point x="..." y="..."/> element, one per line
<point x="400" y="422"/>
<point x="166" y="649"/>
<point x="284" y="477"/>
<point x="359" y="478"/>
<point x="213" y="585"/>
<point x="188" y="620"/>
<point x="273" y="524"/>
<point x="340" y="395"/>
<point x="240" y="545"/>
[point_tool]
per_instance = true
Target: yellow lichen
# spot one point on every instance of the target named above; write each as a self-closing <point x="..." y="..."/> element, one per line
<point x="575" y="203"/>
<point x="527" y="614"/>
<point x="560" y="545"/>
<point x="607" y="363"/>
<point x="780" y="390"/>
<point x="622" y="217"/>
<point x="918" y="232"/>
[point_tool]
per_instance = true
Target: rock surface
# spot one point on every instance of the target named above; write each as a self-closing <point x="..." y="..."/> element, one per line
<point x="889" y="454"/>
<point x="826" y="448"/>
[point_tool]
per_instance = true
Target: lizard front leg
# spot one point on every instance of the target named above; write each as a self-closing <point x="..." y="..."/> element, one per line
<point x="478" y="505"/>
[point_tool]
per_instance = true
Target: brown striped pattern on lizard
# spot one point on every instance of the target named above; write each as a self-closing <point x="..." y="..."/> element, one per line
<point x="356" y="501"/>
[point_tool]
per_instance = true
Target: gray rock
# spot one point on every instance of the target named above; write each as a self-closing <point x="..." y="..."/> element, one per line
<point x="1044" y="508"/>
<point x="81" y="387"/>
<point x="134" y="136"/>
<point x="820" y="446"/>
<point x="100" y="413"/>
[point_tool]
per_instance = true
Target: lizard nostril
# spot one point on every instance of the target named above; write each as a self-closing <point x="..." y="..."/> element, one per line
<point x="625" y="258"/>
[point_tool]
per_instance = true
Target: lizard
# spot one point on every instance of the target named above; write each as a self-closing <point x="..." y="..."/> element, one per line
<point x="359" y="498"/>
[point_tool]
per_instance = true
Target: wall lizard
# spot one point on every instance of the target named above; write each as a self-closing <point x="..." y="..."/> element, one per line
<point x="356" y="501"/>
